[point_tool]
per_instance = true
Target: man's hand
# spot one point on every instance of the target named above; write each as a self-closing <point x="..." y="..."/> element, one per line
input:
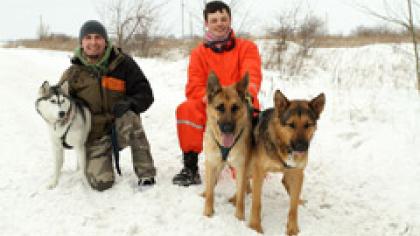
<point x="120" y="108"/>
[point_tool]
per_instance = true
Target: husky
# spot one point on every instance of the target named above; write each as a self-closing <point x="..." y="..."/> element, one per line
<point x="282" y="137"/>
<point x="69" y="125"/>
<point x="227" y="139"/>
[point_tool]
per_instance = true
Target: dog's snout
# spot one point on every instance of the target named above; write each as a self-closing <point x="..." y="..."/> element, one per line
<point x="227" y="127"/>
<point x="300" y="145"/>
<point x="61" y="114"/>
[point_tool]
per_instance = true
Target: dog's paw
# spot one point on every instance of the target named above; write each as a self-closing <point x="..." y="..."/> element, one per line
<point x="240" y="215"/>
<point x="257" y="227"/>
<point x="292" y="229"/>
<point x="52" y="184"/>
<point x="208" y="211"/>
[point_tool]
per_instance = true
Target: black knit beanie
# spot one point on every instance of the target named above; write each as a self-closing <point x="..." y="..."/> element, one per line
<point x="92" y="27"/>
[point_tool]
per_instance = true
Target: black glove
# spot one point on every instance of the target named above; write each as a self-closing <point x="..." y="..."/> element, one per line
<point x="120" y="108"/>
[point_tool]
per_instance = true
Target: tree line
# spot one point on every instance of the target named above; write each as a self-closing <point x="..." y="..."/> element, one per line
<point x="133" y="25"/>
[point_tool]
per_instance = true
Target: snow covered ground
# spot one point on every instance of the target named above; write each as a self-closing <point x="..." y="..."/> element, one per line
<point x="363" y="177"/>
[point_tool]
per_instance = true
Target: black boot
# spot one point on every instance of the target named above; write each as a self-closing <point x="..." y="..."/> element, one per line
<point x="189" y="174"/>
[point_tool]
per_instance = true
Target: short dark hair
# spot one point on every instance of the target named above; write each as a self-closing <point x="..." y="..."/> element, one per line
<point x="214" y="6"/>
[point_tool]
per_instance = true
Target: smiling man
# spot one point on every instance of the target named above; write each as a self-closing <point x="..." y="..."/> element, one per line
<point x="229" y="58"/>
<point x="115" y="89"/>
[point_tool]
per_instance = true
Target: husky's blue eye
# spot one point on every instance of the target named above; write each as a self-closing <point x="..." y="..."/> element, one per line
<point x="220" y="108"/>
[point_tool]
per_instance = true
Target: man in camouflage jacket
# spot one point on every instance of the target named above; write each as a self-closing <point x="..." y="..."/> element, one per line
<point x="115" y="89"/>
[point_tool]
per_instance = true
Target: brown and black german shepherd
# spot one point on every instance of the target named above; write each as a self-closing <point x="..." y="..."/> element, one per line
<point x="283" y="135"/>
<point x="227" y="139"/>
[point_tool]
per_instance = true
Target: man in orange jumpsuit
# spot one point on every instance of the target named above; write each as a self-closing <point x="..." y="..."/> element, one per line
<point x="229" y="58"/>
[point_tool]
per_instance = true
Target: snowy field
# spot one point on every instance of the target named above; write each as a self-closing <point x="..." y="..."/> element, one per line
<point x="363" y="176"/>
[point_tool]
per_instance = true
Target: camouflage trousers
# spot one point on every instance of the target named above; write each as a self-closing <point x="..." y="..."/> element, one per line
<point x="130" y="132"/>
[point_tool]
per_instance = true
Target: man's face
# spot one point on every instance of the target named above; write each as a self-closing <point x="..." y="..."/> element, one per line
<point x="218" y="23"/>
<point x="93" y="45"/>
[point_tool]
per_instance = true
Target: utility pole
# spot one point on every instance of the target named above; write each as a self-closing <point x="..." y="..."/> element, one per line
<point x="182" y="18"/>
<point x="191" y="26"/>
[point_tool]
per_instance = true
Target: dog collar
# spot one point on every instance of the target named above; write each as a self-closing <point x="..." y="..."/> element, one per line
<point x="276" y="150"/>
<point x="224" y="150"/>
<point x="63" y="137"/>
<point x="67" y="117"/>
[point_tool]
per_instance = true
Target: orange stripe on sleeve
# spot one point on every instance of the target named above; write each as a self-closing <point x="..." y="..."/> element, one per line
<point x="113" y="84"/>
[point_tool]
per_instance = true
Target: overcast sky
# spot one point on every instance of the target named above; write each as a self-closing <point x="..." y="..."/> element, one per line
<point x="21" y="18"/>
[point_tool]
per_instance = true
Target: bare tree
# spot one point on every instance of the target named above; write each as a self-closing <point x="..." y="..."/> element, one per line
<point x="414" y="40"/>
<point x="308" y="31"/>
<point x="43" y="30"/>
<point x="297" y="24"/>
<point x="241" y="14"/>
<point x="132" y="22"/>
<point x="286" y="22"/>
<point x="405" y="19"/>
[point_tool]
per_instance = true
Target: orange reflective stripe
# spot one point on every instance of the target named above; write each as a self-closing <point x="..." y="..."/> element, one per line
<point x="113" y="84"/>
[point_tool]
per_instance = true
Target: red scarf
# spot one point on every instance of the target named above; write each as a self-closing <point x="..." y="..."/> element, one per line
<point x="221" y="44"/>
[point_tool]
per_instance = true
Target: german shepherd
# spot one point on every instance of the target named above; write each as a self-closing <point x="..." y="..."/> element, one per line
<point x="227" y="139"/>
<point x="283" y="135"/>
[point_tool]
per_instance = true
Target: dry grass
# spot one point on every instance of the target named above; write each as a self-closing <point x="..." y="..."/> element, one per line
<point x="161" y="46"/>
<point x="357" y="41"/>
<point x="61" y="44"/>
<point x="158" y="47"/>
<point x="338" y="41"/>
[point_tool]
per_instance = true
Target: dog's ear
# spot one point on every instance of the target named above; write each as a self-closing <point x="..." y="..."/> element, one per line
<point x="280" y="101"/>
<point x="44" y="89"/>
<point x="317" y="104"/>
<point x="65" y="88"/>
<point x="242" y="86"/>
<point x="213" y="86"/>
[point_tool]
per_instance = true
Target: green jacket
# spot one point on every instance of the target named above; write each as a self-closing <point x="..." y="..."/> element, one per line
<point x="118" y="79"/>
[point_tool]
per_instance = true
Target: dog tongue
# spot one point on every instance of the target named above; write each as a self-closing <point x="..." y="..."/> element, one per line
<point x="227" y="140"/>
